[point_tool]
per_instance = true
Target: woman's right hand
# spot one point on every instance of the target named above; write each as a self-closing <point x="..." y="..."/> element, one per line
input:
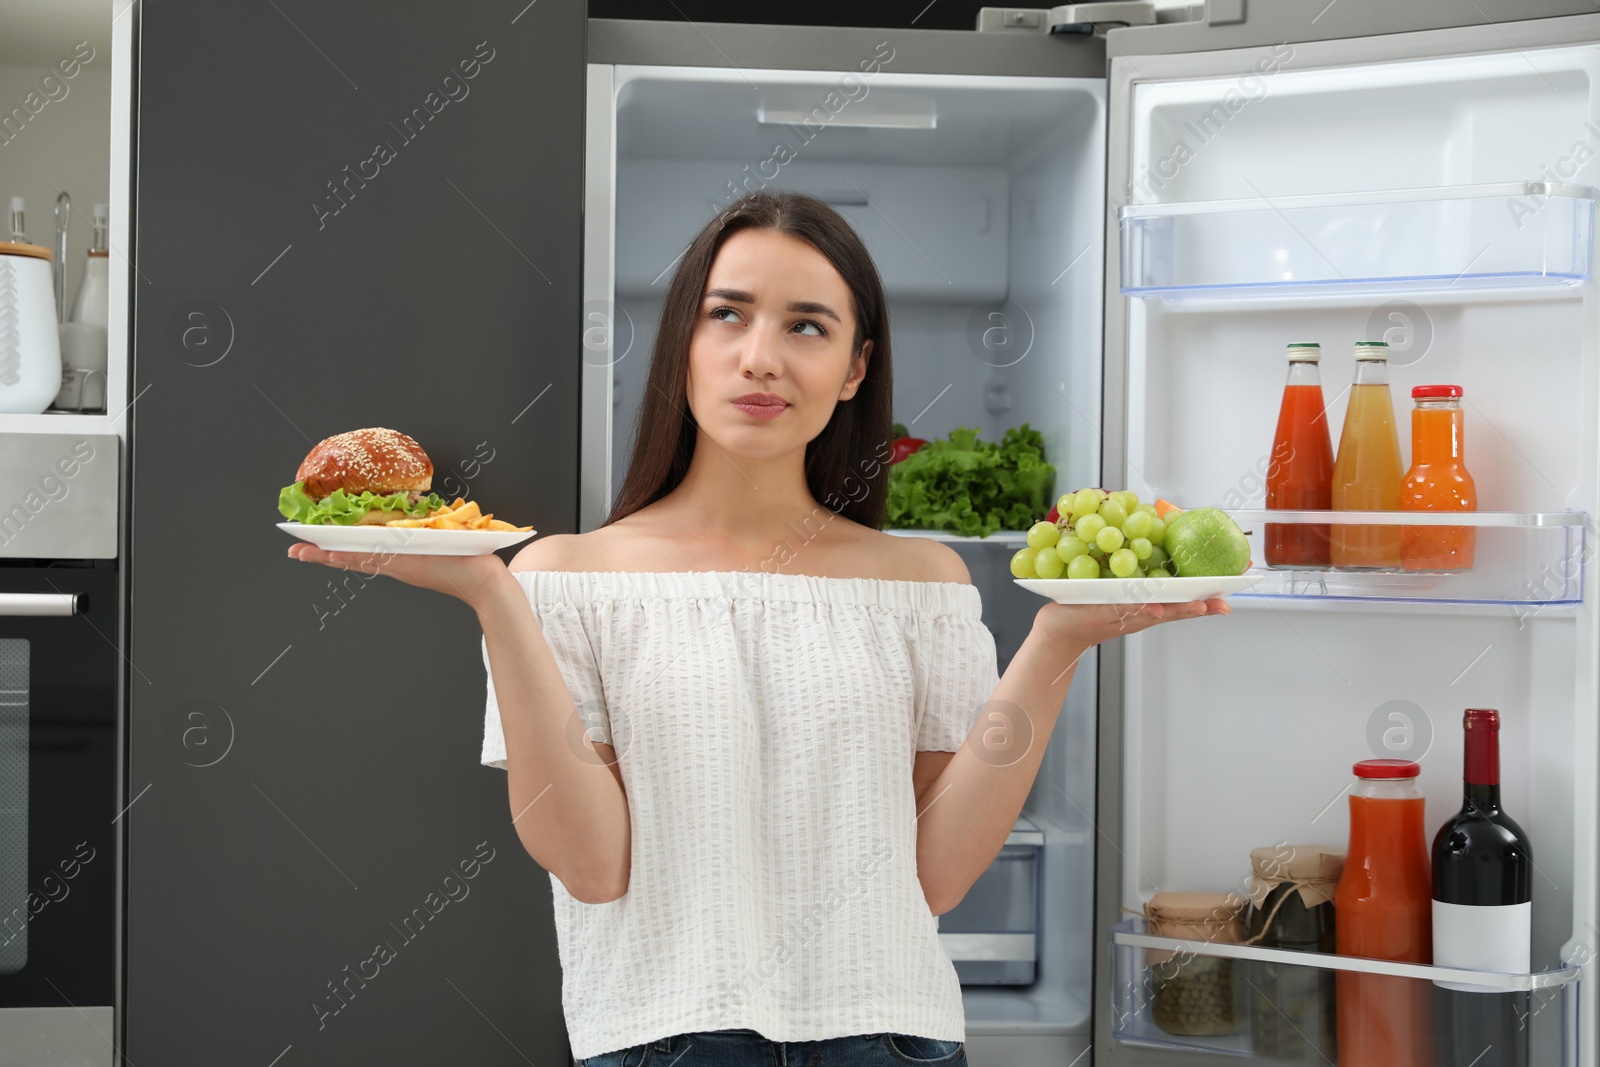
<point x="469" y="578"/>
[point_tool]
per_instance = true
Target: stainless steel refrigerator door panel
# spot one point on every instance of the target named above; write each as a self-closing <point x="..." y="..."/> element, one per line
<point x="1502" y="37"/>
<point x="58" y="495"/>
<point x="365" y="214"/>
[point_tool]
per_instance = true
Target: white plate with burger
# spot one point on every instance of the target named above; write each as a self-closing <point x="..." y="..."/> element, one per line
<point x="403" y="541"/>
<point x="369" y="491"/>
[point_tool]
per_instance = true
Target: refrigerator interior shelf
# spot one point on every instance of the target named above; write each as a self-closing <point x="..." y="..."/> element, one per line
<point x="1236" y="975"/>
<point x="1515" y="519"/>
<point x="1500" y="235"/>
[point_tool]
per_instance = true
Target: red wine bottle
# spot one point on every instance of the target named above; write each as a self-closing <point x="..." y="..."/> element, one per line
<point x="1482" y="913"/>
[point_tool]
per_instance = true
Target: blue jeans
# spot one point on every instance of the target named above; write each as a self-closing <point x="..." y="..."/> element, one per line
<point x="747" y="1048"/>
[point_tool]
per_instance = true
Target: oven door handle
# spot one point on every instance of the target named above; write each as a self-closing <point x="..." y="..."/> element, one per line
<point x="41" y="603"/>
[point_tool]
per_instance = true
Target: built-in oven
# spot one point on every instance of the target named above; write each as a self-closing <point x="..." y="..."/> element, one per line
<point x="60" y="680"/>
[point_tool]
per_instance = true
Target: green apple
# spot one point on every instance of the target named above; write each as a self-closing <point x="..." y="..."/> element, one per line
<point x="1206" y="543"/>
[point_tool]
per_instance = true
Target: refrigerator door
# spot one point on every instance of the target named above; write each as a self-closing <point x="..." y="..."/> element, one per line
<point x="1222" y="735"/>
<point x="351" y="215"/>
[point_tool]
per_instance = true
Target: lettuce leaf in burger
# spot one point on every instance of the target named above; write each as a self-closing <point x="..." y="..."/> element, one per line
<point x="363" y="477"/>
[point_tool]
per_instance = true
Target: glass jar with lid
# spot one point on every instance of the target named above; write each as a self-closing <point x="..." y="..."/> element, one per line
<point x="1192" y="994"/>
<point x="1291" y="907"/>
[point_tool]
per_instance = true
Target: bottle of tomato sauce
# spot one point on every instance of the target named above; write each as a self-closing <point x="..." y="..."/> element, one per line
<point x="1383" y="910"/>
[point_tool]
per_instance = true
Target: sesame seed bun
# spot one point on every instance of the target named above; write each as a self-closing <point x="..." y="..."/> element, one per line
<point x="373" y="459"/>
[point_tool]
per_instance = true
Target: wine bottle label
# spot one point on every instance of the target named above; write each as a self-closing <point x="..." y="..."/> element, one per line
<point x="1482" y="939"/>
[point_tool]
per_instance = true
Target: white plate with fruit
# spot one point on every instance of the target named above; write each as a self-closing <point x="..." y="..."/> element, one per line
<point x="1097" y="547"/>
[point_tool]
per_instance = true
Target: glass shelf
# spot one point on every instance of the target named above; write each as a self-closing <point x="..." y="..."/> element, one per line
<point x="1504" y="235"/>
<point x="1251" y="993"/>
<point x="1516" y="519"/>
<point x="1521" y="559"/>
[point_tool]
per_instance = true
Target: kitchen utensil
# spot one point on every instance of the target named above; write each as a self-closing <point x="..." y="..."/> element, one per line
<point x="58" y="264"/>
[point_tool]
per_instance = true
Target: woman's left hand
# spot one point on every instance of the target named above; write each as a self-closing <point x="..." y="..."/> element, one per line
<point x="1082" y="626"/>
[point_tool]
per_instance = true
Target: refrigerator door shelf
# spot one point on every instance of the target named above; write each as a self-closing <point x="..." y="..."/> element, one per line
<point x="1516" y="519"/>
<point x="1143" y="967"/>
<point x="1498" y="235"/>
<point x="1529" y="560"/>
<point x="1130" y="934"/>
<point x="1142" y="963"/>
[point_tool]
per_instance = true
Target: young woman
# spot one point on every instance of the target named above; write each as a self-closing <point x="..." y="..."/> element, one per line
<point x="759" y="744"/>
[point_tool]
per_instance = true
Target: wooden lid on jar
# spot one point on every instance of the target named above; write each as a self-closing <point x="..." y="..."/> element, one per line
<point x="17" y="248"/>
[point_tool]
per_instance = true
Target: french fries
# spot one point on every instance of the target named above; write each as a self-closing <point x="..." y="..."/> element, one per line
<point x="459" y="515"/>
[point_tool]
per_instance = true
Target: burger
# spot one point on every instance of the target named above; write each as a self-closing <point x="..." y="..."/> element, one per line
<point x="363" y="477"/>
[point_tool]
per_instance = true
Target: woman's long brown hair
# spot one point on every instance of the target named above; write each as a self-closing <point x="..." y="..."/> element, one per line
<point x="846" y="464"/>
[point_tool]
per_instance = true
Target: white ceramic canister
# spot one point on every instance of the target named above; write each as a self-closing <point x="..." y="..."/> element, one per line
<point x="30" y="348"/>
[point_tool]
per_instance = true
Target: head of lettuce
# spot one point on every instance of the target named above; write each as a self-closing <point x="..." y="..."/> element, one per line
<point x="363" y="477"/>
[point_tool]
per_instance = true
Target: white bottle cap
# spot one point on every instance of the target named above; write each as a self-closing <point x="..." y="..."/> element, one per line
<point x="16" y="203"/>
<point x="99" y="211"/>
<point x="1304" y="352"/>
<point x="1372" y="350"/>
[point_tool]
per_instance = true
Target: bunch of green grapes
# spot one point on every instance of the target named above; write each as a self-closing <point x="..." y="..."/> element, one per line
<point x="1098" y="535"/>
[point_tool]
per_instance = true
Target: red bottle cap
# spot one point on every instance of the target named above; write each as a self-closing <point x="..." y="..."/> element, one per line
<point x="1482" y="746"/>
<point x="1424" y="391"/>
<point x="1387" y="768"/>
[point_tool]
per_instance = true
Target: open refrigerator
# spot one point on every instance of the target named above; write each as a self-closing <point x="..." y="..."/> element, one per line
<point x="1112" y="241"/>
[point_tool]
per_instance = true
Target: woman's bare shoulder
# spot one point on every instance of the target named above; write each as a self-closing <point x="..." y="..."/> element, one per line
<point x="562" y="552"/>
<point x="913" y="559"/>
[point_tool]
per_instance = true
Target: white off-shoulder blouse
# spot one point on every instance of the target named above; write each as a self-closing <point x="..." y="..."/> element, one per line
<point x="766" y="727"/>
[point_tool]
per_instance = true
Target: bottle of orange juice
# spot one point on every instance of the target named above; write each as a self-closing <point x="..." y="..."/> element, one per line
<point x="1438" y="481"/>
<point x="1367" y="473"/>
